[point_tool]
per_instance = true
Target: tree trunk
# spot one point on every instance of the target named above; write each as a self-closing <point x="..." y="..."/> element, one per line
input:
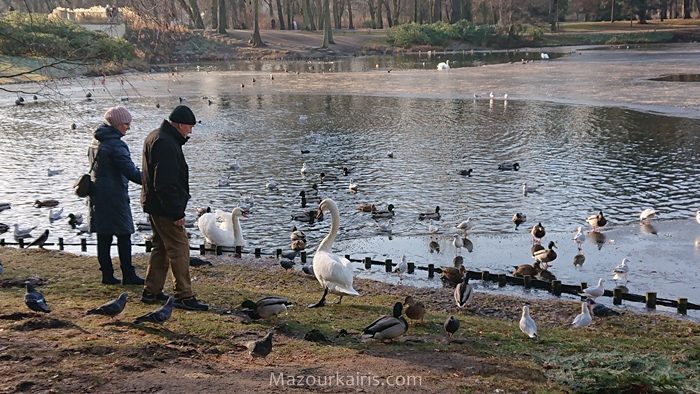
<point x="437" y="11"/>
<point x="387" y="7"/>
<point x="197" y="16"/>
<point x="663" y="8"/>
<point x="214" y="12"/>
<point x="397" y="10"/>
<point x="308" y="16"/>
<point x="223" y="19"/>
<point x="415" y="11"/>
<point x="612" y="11"/>
<point x="456" y="11"/>
<point x="380" y="18"/>
<point x="257" y="40"/>
<point x="553" y="17"/>
<point x="372" y="13"/>
<point x="686" y="9"/>
<point x="289" y="14"/>
<point x="281" y="15"/>
<point x="327" y="29"/>
<point x="188" y="10"/>
<point x="351" y="26"/>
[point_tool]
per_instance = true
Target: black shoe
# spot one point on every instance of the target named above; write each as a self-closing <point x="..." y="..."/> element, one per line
<point x="148" y="298"/>
<point x="191" y="304"/>
<point x="133" y="279"/>
<point x="110" y="280"/>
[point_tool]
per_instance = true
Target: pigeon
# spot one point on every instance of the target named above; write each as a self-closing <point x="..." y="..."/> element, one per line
<point x="594" y="292"/>
<point x="197" y="262"/>
<point x="158" y="316"/>
<point x="35" y="300"/>
<point x="601" y="310"/>
<point x="527" y="324"/>
<point x="111" y="308"/>
<point x="451" y="325"/>
<point x="308" y="269"/>
<point x="40" y="240"/>
<point x="463" y="293"/>
<point x="286" y="264"/>
<point x="584" y="318"/>
<point x="260" y="347"/>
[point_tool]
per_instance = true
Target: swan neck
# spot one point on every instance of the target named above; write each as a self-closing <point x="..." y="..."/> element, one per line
<point x="236" y="227"/>
<point x="327" y="242"/>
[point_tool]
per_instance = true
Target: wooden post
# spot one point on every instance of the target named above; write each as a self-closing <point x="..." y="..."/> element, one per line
<point x="527" y="279"/>
<point x="431" y="271"/>
<point x="60" y="243"/>
<point x="302" y="256"/>
<point x="368" y="263"/>
<point x="683" y="306"/>
<point x="502" y="280"/>
<point x="347" y="256"/>
<point x="239" y="251"/>
<point x="584" y="285"/>
<point x="651" y="300"/>
<point x="202" y="250"/>
<point x="278" y="253"/>
<point x="257" y="252"/>
<point x="387" y="265"/>
<point x="484" y="275"/>
<point x="2" y="242"/>
<point x="149" y="246"/>
<point x="556" y="287"/>
<point x="21" y="243"/>
<point x="617" y="296"/>
<point x="411" y="268"/>
<point x="219" y="250"/>
<point x="83" y="245"/>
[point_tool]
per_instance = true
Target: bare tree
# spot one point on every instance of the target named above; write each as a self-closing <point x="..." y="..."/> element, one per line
<point x="327" y="29"/>
<point x="223" y="20"/>
<point x="256" y="40"/>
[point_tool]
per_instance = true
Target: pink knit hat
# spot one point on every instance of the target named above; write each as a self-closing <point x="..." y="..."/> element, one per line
<point x="117" y="115"/>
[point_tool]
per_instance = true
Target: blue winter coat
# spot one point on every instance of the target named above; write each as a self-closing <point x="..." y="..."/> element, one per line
<point x="110" y="208"/>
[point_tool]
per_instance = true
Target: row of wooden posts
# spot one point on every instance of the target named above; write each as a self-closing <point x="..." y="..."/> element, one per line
<point x="555" y="287"/>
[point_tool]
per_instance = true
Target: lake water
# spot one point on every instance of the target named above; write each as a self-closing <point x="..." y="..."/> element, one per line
<point x="582" y="158"/>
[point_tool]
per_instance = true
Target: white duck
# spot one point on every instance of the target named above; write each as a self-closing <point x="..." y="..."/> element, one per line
<point x="226" y="234"/>
<point x="584" y="318"/>
<point x="333" y="272"/>
<point x="444" y="65"/>
<point x="527" y="324"/>
<point x="647" y="215"/>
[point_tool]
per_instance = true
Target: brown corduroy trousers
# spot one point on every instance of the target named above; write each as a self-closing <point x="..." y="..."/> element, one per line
<point x="171" y="249"/>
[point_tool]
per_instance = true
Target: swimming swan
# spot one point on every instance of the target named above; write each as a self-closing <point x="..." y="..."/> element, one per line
<point x="226" y="234"/>
<point x="333" y="272"/>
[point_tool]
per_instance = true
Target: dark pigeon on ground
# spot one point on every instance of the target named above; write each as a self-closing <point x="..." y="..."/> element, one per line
<point x="308" y="269"/>
<point x="112" y="308"/>
<point x="158" y="316"/>
<point x="261" y="347"/>
<point x="451" y="325"/>
<point x="35" y="300"/>
<point x="286" y="264"/>
<point x="40" y="240"/>
<point x="601" y="310"/>
<point x="197" y="262"/>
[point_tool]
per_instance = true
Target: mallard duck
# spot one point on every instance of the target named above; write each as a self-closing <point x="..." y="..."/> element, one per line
<point x="333" y="272"/>
<point x="308" y="216"/>
<point x="311" y="192"/>
<point x="201" y="211"/>
<point x="466" y="172"/>
<point x="367" y="207"/>
<point x="527" y="324"/>
<point x="5" y="205"/>
<point x="327" y="177"/>
<point x="597" y="221"/>
<point x="518" y="219"/>
<point x="546" y="255"/>
<point x="451" y="326"/>
<point x="430" y="215"/>
<point x="271" y="184"/>
<point x="387" y="327"/>
<point x="46" y="203"/>
<point x="389" y="212"/>
<point x="297" y="234"/>
<point x="310" y="198"/>
<point x="3" y="228"/>
<point x="415" y="310"/>
<point x="584" y="318"/>
<point x="509" y="166"/>
<point x="346" y="171"/>
<point x="594" y="292"/>
<point x="579" y="259"/>
<point x="545" y="275"/>
<point x="434" y="246"/>
<point x="537" y="231"/>
<point x="452" y="276"/>
<point x="266" y="307"/>
<point x="463" y="293"/>
<point x="526" y="269"/>
<point x="75" y="219"/>
<point x="621" y="270"/>
<point x="647" y="215"/>
<point x="298" y="244"/>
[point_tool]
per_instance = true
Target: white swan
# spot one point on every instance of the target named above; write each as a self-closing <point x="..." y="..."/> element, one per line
<point x="443" y="65"/>
<point x="228" y="233"/>
<point x="333" y="272"/>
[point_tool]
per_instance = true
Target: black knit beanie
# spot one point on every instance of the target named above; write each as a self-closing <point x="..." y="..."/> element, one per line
<point x="183" y="114"/>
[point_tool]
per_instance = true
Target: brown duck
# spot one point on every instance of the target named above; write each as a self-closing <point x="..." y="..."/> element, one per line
<point x="415" y="310"/>
<point x="452" y="276"/>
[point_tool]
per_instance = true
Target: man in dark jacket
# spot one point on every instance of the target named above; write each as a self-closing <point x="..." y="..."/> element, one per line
<point x="164" y="195"/>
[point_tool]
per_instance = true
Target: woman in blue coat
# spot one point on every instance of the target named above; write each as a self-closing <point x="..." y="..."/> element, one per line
<point x="110" y="208"/>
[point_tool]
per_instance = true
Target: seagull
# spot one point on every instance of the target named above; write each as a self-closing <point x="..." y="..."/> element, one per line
<point x="584" y="318"/>
<point x="463" y="293"/>
<point x="260" y="347"/>
<point x="401" y="267"/>
<point x="505" y="97"/>
<point x="491" y="96"/>
<point x="304" y="169"/>
<point x="52" y="172"/>
<point x="465" y="225"/>
<point x="544" y="56"/>
<point x="527" y="324"/>
<point x="621" y="270"/>
<point x="579" y="237"/>
<point x="302" y="119"/>
<point x="432" y="228"/>
<point x="390" y="154"/>
<point x="384" y="226"/>
<point x="40" y="240"/>
<point x="35" y="300"/>
<point x="111" y="308"/>
<point x="451" y="326"/>
<point x="647" y="215"/>
<point x="23" y="232"/>
<point x="235" y="165"/>
<point x="83" y="228"/>
<point x="457" y="242"/>
<point x="352" y="186"/>
<point x="55" y="214"/>
<point x="594" y="292"/>
<point x="158" y="316"/>
<point x="528" y="189"/>
<point x="271" y="185"/>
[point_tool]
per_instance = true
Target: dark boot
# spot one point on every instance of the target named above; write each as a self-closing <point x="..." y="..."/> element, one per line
<point x="130" y="278"/>
<point x="104" y="242"/>
<point x="109" y="279"/>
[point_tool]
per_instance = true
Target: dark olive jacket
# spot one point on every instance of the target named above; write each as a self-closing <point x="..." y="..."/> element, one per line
<point x="165" y="184"/>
